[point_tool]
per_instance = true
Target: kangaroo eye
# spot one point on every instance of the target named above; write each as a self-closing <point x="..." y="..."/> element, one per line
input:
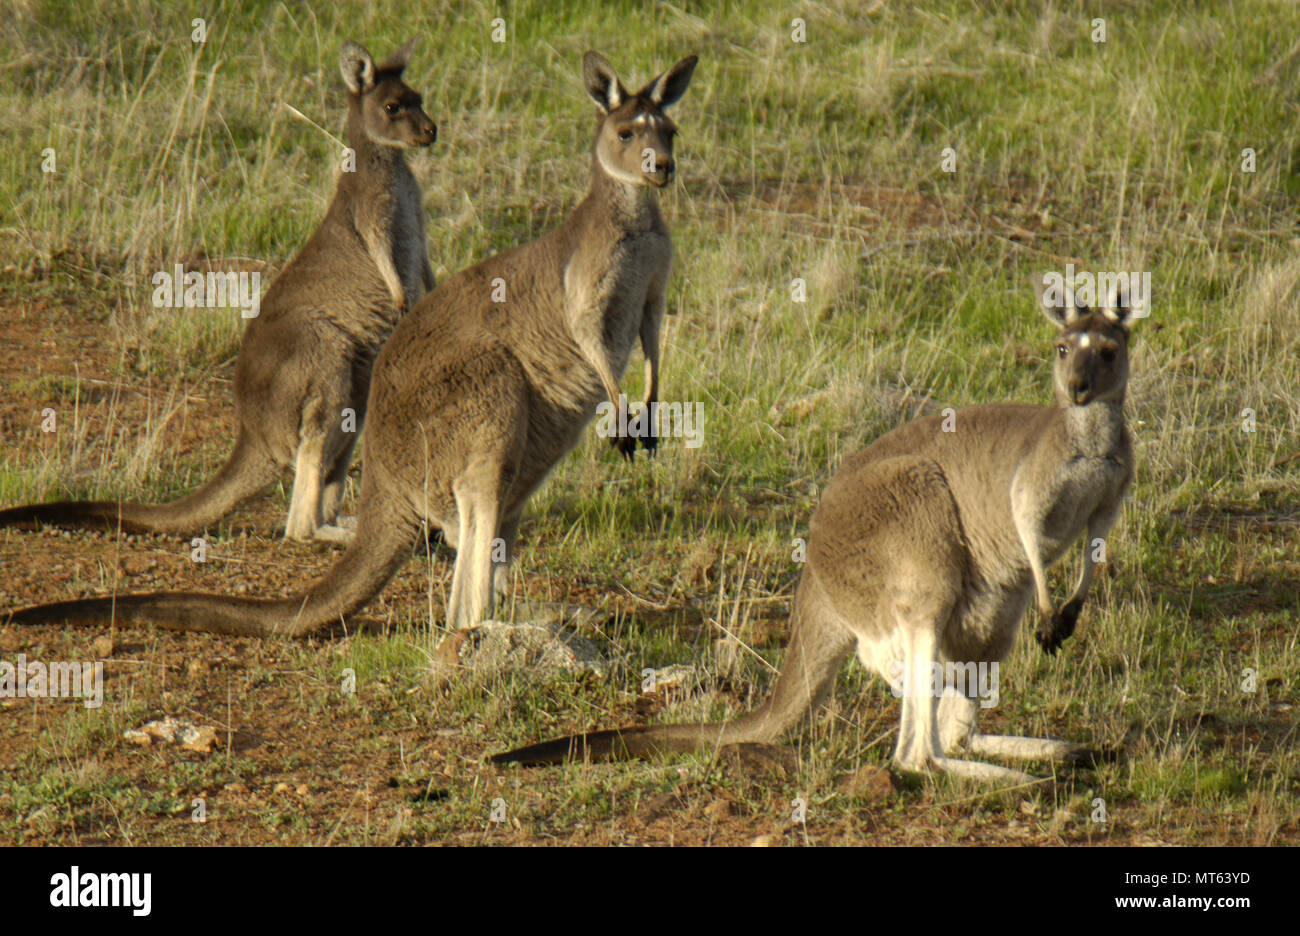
<point x="390" y="109"/>
<point x="624" y="136"/>
<point x="1062" y="350"/>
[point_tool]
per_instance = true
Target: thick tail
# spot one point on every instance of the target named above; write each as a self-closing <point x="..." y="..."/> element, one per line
<point x="382" y="544"/>
<point x="818" y="646"/>
<point x="248" y="469"/>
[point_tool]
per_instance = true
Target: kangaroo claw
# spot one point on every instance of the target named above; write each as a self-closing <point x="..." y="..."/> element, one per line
<point x="1051" y="636"/>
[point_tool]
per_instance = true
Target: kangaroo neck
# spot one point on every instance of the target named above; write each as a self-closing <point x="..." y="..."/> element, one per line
<point x="375" y="162"/>
<point x="1096" y="428"/>
<point x="625" y="207"/>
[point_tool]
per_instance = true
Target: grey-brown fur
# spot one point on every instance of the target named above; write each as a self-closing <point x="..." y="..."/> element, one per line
<point x="308" y="355"/>
<point x="920" y="551"/>
<point x="474" y="401"/>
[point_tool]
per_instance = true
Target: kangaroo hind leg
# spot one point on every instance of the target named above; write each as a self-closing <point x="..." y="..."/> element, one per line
<point x="308" y="475"/>
<point x="958" y="721"/>
<point x="471" y="600"/>
<point x="936" y="718"/>
<point x="331" y="527"/>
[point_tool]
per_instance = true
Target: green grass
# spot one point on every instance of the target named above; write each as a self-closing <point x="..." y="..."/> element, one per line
<point x="818" y="161"/>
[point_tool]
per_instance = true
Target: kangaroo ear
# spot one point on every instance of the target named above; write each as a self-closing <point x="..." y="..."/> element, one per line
<point x="602" y="83"/>
<point x="1065" y="313"/>
<point x="357" y="67"/>
<point x="1054" y="314"/>
<point x="398" y="61"/>
<point x="1119" y="307"/>
<point x="669" y="87"/>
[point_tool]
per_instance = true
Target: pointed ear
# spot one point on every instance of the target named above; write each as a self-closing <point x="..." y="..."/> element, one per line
<point x="357" y="67"/>
<point x="1067" y="312"/>
<point x="669" y="87"/>
<point x="398" y="61"/>
<point x="602" y="84"/>
<point x="1119" y="307"/>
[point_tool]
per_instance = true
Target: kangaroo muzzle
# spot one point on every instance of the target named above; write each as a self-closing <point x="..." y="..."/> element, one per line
<point x="663" y="173"/>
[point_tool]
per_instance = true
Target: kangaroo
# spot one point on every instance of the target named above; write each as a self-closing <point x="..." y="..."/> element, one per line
<point x="927" y="549"/>
<point x="308" y="355"/>
<point x="484" y="386"/>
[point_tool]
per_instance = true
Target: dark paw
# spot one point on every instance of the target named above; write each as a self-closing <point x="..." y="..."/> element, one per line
<point x="650" y="444"/>
<point x="626" y="445"/>
<point x="1051" y="636"/>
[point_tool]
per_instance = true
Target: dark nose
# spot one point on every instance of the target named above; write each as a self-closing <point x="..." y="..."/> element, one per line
<point x="668" y="168"/>
<point x="1079" y="387"/>
<point x="431" y="132"/>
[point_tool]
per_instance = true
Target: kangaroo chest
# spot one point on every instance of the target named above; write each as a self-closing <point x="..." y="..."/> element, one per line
<point x="613" y="289"/>
<point x="405" y="236"/>
<point x="605" y="294"/>
<point x="1084" y="485"/>
<point x="1055" y="498"/>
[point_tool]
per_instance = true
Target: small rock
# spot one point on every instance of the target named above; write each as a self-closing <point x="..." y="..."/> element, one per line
<point x="235" y="787"/>
<point x="541" y="649"/>
<point x="162" y="729"/>
<point x="283" y="788"/>
<point x="765" y="841"/>
<point x="448" y="649"/>
<point x="102" y="646"/>
<point x="302" y="790"/>
<point x="681" y="677"/>
<point x="134" y="565"/>
<point x="870" y="782"/>
<point x="198" y="738"/>
<point x="718" y="809"/>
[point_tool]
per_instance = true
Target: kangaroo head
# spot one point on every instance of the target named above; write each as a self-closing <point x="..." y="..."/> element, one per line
<point x="391" y="113"/>
<point x="634" y="140"/>
<point x="1091" y="361"/>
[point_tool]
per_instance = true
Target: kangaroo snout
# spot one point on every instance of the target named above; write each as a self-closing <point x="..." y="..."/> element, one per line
<point x="1080" y="389"/>
<point x="665" y="170"/>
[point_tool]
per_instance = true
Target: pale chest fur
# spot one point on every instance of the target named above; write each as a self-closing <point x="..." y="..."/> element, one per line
<point x="610" y="289"/>
<point x="1090" y="471"/>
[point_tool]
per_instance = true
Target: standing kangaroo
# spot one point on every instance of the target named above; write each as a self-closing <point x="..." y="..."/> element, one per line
<point x="926" y="550"/>
<point x="486" y="384"/>
<point x="308" y="355"/>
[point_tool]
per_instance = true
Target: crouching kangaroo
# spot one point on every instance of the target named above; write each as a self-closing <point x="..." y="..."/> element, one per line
<point x="927" y="549"/>
<point x="308" y="355"/>
<point x="484" y="386"/>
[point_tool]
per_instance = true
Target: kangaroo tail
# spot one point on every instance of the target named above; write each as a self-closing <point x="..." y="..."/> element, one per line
<point x="818" y="645"/>
<point x="248" y="469"/>
<point x="630" y="743"/>
<point x="382" y="544"/>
